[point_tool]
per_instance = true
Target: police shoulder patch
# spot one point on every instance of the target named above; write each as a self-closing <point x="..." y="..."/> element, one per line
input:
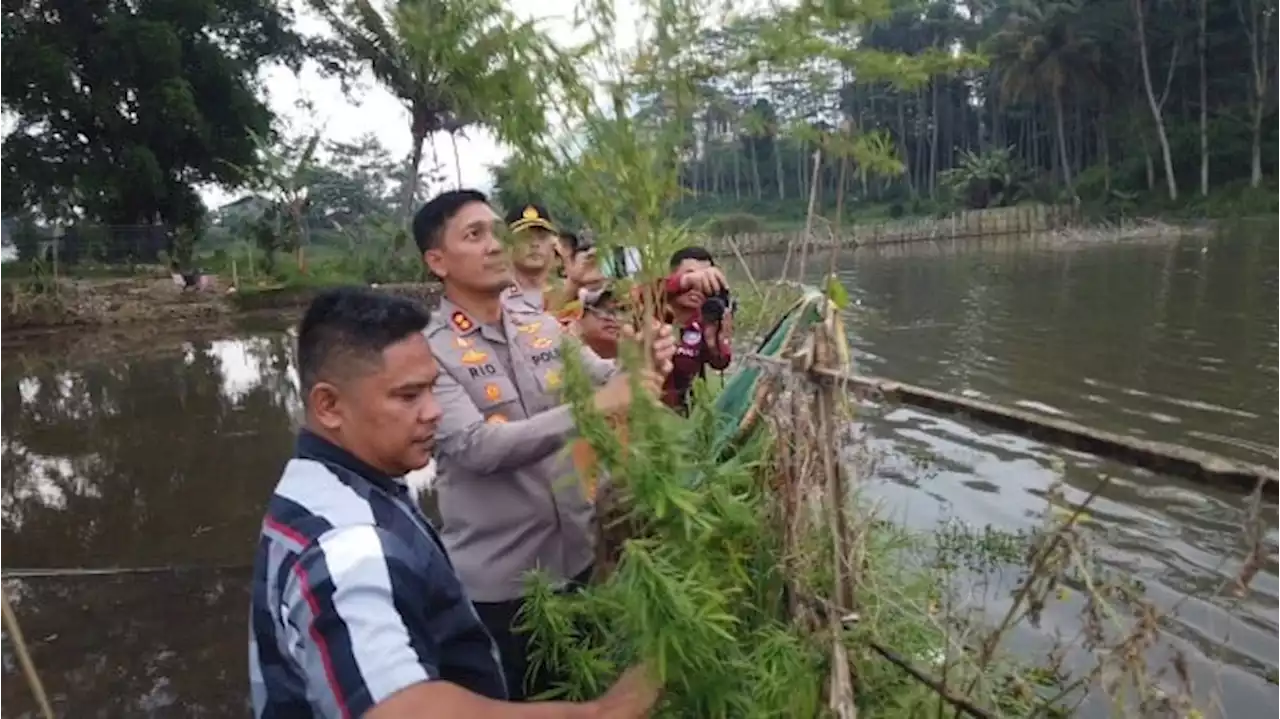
<point x="461" y="322"/>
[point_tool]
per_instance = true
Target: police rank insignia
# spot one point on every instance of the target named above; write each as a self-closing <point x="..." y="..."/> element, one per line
<point x="552" y="379"/>
<point x="474" y="357"/>
<point x="462" y="343"/>
<point x="530" y="213"/>
<point x="492" y="392"/>
<point x="461" y="321"/>
<point x="530" y="328"/>
<point x="542" y="343"/>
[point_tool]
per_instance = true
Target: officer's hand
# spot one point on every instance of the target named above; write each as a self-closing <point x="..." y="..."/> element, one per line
<point x="663" y="350"/>
<point x="615" y="396"/>
<point x="709" y="281"/>
<point x="631" y="697"/>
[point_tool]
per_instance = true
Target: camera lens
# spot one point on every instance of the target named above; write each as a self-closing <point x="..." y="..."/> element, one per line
<point x="713" y="308"/>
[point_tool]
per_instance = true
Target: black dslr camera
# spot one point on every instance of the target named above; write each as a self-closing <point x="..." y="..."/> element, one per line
<point x="714" y="307"/>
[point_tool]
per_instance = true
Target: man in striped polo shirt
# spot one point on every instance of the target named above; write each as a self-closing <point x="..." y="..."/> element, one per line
<point x="356" y="610"/>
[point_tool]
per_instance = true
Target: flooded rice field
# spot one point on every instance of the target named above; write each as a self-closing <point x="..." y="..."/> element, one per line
<point x="159" y="458"/>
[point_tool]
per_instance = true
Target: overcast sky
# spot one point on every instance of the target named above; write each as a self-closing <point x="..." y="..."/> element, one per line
<point x="372" y="109"/>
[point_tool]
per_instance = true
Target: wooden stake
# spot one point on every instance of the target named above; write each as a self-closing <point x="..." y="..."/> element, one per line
<point x="808" y="221"/>
<point x="733" y="245"/>
<point x="24" y="658"/>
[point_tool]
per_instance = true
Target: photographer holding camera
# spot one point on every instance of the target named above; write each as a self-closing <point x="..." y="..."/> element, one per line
<point x="702" y="322"/>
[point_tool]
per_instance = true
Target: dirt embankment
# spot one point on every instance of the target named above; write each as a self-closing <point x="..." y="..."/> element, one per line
<point x="87" y="303"/>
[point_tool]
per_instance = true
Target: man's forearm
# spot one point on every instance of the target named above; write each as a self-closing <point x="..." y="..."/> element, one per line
<point x="487" y="448"/>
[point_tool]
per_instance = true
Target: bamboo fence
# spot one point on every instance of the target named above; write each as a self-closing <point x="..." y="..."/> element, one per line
<point x="998" y="222"/>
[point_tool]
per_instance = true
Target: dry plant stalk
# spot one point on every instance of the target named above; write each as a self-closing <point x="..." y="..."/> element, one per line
<point x="1119" y="625"/>
<point x="24" y="658"/>
<point x="813" y="206"/>
<point x="812" y="498"/>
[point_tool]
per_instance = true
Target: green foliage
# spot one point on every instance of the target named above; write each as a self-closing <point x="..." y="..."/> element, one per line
<point x="122" y="108"/>
<point x="453" y="64"/>
<point x="750" y="99"/>
<point x="697" y="592"/>
<point x="698" y="589"/>
<point x="992" y="179"/>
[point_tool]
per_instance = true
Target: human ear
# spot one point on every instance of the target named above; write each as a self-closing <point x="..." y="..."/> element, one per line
<point x="434" y="260"/>
<point x="325" y="402"/>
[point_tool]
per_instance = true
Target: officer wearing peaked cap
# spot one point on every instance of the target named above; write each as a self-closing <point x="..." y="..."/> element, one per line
<point x="534" y="254"/>
<point x="504" y="506"/>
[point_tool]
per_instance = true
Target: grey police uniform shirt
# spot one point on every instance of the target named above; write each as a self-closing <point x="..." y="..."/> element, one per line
<point x="509" y="499"/>
<point x="533" y="300"/>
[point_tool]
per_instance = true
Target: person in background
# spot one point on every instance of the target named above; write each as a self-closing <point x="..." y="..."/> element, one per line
<point x="533" y="255"/>
<point x="581" y="268"/>
<point x="194" y="280"/>
<point x="600" y="324"/>
<point x="504" y="506"/>
<point x="355" y="608"/>
<point x="702" y="322"/>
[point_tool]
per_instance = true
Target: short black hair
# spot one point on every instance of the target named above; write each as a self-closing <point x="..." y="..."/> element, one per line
<point x="576" y="243"/>
<point x="429" y="222"/>
<point x="691" y="253"/>
<point x="352" y="323"/>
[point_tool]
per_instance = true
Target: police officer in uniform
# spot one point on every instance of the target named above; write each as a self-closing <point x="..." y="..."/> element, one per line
<point x="504" y="506"/>
<point x="534" y="254"/>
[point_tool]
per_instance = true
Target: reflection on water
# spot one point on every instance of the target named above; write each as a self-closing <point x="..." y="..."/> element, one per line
<point x="171" y="645"/>
<point x="165" y="456"/>
<point x="1174" y="341"/>
<point x="154" y="460"/>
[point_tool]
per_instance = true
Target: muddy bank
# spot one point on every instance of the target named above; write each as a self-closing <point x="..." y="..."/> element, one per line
<point x="155" y="303"/>
<point x="292" y="297"/>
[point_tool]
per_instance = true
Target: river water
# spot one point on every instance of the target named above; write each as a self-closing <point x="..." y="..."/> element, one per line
<point x="161" y="452"/>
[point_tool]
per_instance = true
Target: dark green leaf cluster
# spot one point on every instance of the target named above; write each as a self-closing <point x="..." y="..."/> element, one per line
<point x="123" y="107"/>
<point x="697" y="591"/>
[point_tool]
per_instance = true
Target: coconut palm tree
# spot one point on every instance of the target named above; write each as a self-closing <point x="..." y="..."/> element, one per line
<point x="1044" y="50"/>
<point x="453" y="63"/>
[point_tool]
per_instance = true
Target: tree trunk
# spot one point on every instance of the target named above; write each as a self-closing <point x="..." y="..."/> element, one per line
<point x="1147" y="162"/>
<point x="906" y="149"/>
<point x="1204" y="101"/>
<point x="777" y="167"/>
<point x="1104" y="147"/>
<point x="411" y="176"/>
<point x="1156" y="105"/>
<point x="737" y="174"/>
<point x="935" y="117"/>
<point x="457" y="160"/>
<point x="1257" y="27"/>
<point x="801" y="166"/>
<point x="755" y="170"/>
<point x="1063" y="160"/>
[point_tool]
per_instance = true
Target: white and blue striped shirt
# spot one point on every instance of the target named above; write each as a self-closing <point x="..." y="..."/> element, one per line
<point x="354" y="597"/>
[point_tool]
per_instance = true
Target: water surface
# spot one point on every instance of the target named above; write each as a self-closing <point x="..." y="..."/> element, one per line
<point x="162" y="454"/>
